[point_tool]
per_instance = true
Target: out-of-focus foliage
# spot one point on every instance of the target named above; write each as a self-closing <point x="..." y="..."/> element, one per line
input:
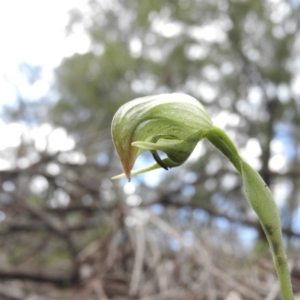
<point x="176" y="234"/>
<point x="239" y="58"/>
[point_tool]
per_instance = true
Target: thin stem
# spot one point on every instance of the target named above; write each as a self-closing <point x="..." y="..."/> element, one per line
<point x="262" y="201"/>
<point x="221" y="140"/>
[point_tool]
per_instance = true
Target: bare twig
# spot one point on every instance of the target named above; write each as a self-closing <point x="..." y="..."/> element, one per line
<point x="138" y="260"/>
<point x="193" y="252"/>
<point x="97" y="287"/>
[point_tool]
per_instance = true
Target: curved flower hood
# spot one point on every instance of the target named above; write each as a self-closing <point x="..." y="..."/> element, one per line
<point x="172" y="123"/>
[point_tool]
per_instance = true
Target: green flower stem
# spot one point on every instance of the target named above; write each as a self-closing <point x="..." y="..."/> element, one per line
<point x="262" y="202"/>
<point x="221" y="140"/>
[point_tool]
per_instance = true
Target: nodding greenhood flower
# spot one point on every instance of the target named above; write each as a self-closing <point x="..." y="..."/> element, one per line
<point x="172" y="123"/>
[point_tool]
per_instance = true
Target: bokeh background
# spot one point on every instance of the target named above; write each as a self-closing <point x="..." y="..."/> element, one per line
<point x="67" y="231"/>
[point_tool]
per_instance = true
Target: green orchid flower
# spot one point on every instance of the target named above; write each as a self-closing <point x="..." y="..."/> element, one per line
<point x="174" y="124"/>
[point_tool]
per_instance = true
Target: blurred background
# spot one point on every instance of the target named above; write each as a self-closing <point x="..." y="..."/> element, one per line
<point x="67" y="231"/>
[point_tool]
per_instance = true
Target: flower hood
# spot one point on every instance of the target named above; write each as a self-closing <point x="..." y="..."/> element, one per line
<point x="172" y="123"/>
